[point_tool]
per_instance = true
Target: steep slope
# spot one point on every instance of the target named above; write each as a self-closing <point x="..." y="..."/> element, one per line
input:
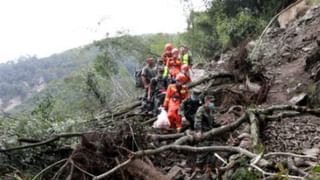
<point x="29" y="75"/>
<point x="286" y="56"/>
<point x="291" y="61"/>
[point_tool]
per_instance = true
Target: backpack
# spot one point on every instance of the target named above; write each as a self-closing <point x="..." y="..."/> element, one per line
<point x="138" y="79"/>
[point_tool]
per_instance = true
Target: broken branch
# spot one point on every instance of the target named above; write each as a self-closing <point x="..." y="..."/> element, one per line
<point x="47" y="168"/>
<point x="54" y="138"/>
<point x="254" y="129"/>
<point x="289" y="154"/>
<point x="113" y="170"/>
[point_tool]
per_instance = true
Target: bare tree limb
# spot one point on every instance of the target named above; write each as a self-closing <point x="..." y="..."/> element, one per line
<point x="301" y="109"/>
<point x="47" y="168"/>
<point x="213" y="132"/>
<point x="59" y="172"/>
<point x="203" y="149"/>
<point x="52" y="139"/>
<point x="289" y="154"/>
<point x="254" y="129"/>
<point x="274" y="174"/>
<point x="209" y="77"/>
<point x="113" y="170"/>
<point x="71" y="172"/>
<point x="294" y="168"/>
<point x="165" y="136"/>
<point x="194" y="150"/>
<point x="121" y="111"/>
<point x="149" y="121"/>
<point x="80" y="169"/>
<point x="141" y="170"/>
<point x="121" y="170"/>
<point x="283" y="115"/>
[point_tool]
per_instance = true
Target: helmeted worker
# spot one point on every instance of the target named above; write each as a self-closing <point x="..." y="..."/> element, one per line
<point x="157" y="90"/>
<point x="184" y="74"/>
<point x="167" y="52"/>
<point x="175" y="94"/>
<point x="185" y="56"/>
<point x="189" y="107"/>
<point x="173" y="64"/>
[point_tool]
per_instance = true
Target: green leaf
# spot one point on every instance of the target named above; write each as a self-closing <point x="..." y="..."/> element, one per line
<point x="316" y="169"/>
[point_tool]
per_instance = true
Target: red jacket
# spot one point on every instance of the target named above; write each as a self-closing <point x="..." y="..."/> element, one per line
<point x="173" y="97"/>
<point x="174" y="66"/>
<point x="184" y="78"/>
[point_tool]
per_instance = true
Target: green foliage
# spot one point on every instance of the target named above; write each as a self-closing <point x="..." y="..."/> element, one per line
<point x="39" y="123"/>
<point x="22" y="77"/>
<point x="242" y="173"/>
<point x="259" y="148"/>
<point x="93" y="88"/>
<point x="315" y="172"/>
<point x="44" y="109"/>
<point x="316" y="169"/>
<point x="315" y="2"/>
<point x="283" y="172"/>
<point x="226" y="23"/>
<point x="105" y="66"/>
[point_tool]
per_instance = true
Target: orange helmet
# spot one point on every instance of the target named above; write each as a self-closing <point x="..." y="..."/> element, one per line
<point x="185" y="68"/>
<point x="180" y="77"/>
<point x="175" y="51"/>
<point x="168" y="47"/>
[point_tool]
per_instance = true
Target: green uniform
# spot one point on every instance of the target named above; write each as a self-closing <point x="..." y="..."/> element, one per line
<point x="204" y="119"/>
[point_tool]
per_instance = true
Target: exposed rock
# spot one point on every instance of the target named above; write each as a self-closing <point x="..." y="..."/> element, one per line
<point x="293" y="12"/>
<point x="300" y="99"/>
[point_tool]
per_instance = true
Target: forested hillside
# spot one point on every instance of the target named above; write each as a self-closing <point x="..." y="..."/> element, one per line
<point x="110" y="63"/>
<point x="77" y="83"/>
<point x="29" y="75"/>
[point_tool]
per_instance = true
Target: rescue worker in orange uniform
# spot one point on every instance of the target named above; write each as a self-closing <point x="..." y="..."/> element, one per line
<point x="174" y="64"/>
<point x="184" y="74"/>
<point x="175" y="94"/>
<point x="167" y="52"/>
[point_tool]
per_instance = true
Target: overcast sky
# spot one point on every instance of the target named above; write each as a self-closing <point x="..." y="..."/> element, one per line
<point x="44" y="27"/>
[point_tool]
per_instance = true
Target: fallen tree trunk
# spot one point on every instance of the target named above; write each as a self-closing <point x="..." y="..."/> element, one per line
<point x="41" y="143"/>
<point x="301" y="109"/>
<point x="122" y="111"/>
<point x="213" y="132"/>
<point x="254" y="129"/>
<point x="203" y="149"/>
<point x="209" y="77"/>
